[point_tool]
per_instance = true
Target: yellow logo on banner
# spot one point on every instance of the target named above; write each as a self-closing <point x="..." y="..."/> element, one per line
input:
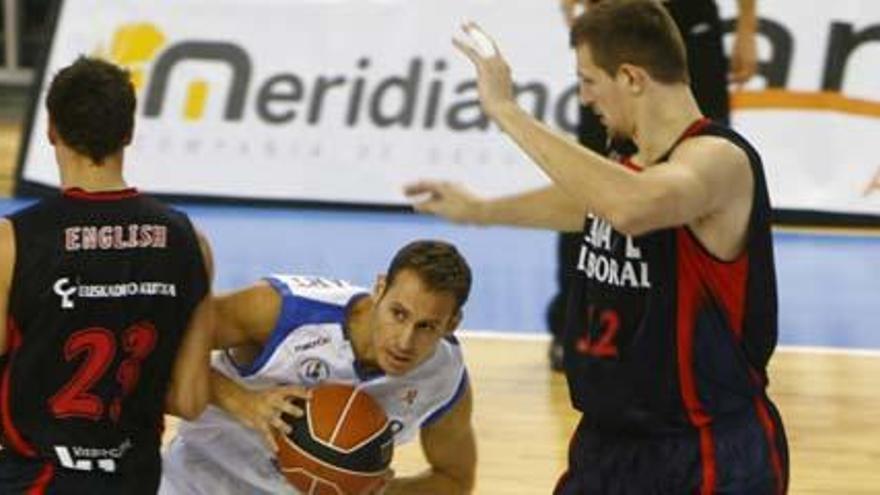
<point x="136" y="45"/>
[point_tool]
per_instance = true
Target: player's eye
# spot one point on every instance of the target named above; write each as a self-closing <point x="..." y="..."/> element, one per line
<point x="398" y="314"/>
<point x="428" y="327"/>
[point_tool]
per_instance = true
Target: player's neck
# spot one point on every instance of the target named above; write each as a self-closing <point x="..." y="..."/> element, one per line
<point x="79" y="171"/>
<point x="358" y="323"/>
<point x="661" y="121"/>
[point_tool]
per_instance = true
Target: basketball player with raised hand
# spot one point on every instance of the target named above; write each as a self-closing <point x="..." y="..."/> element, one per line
<point x="289" y="333"/>
<point x="105" y="316"/>
<point x="710" y="74"/>
<point x="673" y="315"/>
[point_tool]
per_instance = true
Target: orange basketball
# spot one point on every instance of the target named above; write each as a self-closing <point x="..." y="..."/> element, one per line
<point x="342" y="445"/>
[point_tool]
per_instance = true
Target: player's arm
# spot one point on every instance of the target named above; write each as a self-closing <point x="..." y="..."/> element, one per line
<point x="707" y="183"/>
<point x="260" y="410"/>
<point x="245" y="320"/>
<point x="7" y="267"/>
<point x="450" y="447"/>
<point x="545" y="208"/>
<point x="705" y="175"/>
<point x="634" y="203"/>
<point x="744" y="53"/>
<point x="246" y="317"/>
<point x="189" y="389"/>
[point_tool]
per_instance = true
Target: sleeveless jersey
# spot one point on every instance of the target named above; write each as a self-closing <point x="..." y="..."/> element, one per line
<point x="662" y="336"/>
<point x="309" y="345"/>
<point x="103" y="288"/>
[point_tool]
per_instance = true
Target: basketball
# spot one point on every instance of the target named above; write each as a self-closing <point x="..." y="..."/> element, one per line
<point x="341" y="445"/>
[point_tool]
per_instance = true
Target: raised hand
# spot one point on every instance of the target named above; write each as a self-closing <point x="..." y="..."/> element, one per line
<point x="494" y="81"/>
<point x="571" y="9"/>
<point x="743" y="57"/>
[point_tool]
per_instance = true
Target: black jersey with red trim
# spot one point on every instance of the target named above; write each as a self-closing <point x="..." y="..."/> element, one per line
<point x="662" y="336"/>
<point x="103" y="289"/>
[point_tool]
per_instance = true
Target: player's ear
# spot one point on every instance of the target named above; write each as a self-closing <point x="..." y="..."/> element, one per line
<point x="52" y="133"/>
<point x="130" y="135"/>
<point x="454" y="322"/>
<point x="633" y="77"/>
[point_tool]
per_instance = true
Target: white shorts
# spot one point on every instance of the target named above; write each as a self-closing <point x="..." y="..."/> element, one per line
<point x="187" y="470"/>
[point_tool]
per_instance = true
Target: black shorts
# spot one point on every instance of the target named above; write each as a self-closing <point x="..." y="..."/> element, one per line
<point x="744" y="461"/>
<point x="22" y="476"/>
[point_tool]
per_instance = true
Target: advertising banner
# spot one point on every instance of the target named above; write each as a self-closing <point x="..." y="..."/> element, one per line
<point x="344" y="101"/>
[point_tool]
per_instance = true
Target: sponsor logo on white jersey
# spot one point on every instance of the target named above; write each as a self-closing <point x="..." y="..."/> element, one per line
<point x="313" y="371"/>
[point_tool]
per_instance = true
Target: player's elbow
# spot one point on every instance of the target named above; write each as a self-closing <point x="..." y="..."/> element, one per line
<point x="187" y="404"/>
<point x="460" y="482"/>
<point x="463" y="477"/>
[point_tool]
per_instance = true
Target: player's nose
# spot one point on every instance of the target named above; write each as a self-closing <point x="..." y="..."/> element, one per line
<point x="406" y="338"/>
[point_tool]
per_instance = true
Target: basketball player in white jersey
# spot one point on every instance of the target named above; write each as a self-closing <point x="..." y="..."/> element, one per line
<point x="287" y="334"/>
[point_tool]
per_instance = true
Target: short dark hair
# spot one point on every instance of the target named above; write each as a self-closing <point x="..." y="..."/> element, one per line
<point x="91" y="103"/>
<point x="439" y="265"/>
<point x="638" y="32"/>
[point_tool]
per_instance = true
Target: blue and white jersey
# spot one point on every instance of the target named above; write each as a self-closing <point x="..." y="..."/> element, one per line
<point x="309" y="345"/>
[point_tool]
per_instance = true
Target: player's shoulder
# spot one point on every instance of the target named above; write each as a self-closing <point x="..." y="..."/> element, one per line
<point x="452" y="347"/>
<point x="712" y="152"/>
<point x="312" y="299"/>
<point x="172" y="214"/>
<point x="446" y="364"/>
<point x="47" y="206"/>
<point x="315" y="289"/>
<point x="718" y="140"/>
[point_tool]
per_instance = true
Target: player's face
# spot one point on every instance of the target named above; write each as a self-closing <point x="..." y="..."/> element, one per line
<point x="408" y="321"/>
<point x="607" y="95"/>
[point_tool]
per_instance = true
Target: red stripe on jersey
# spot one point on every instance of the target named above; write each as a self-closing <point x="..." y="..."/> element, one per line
<point x="10" y="432"/>
<point x="628" y="163"/>
<point x="690" y="294"/>
<point x="770" y="432"/>
<point x="42" y="481"/>
<point x="725" y="280"/>
<point x="702" y="276"/>
<point x="694" y="129"/>
<point x="79" y="193"/>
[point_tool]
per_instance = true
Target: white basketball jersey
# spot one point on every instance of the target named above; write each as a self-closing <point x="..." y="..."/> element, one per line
<point x="309" y="345"/>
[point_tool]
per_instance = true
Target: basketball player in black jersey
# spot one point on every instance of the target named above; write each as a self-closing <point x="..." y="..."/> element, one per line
<point x="104" y="309"/>
<point x="672" y="317"/>
<point x="701" y="27"/>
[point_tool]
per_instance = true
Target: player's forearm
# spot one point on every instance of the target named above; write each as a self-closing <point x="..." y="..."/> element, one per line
<point x="747" y="17"/>
<point x="594" y="182"/>
<point x="429" y="482"/>
<point x="189" y="390"/>
<point x="225" y="392"/>
<point x="545" y="208"/>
